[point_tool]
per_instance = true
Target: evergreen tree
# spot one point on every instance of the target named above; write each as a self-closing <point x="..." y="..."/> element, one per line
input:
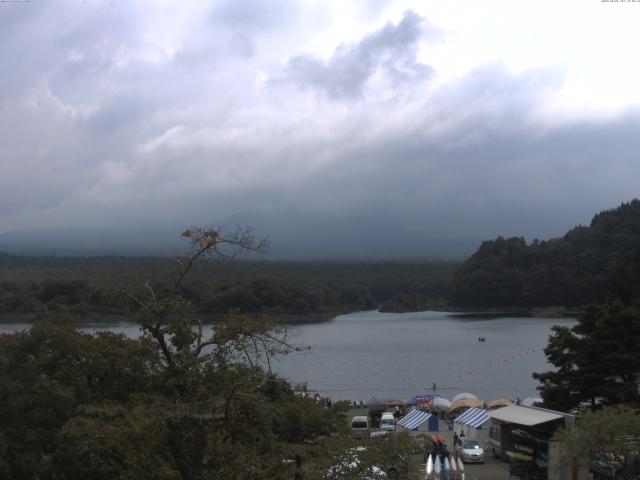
<point x="598" y="358"/>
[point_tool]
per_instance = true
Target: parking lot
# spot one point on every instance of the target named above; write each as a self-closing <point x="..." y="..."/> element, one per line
<point x="492" y="469"/>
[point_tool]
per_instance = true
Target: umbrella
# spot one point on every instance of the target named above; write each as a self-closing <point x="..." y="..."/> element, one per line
<point x="414" y="400"/>
<point x="466" y="402"/>
<point x="500" y="402"/>
<point x="375" y="401"/>
<point x="464" y="396"/>
<point x="531" y="401"/>
<point x="441" y="403"/>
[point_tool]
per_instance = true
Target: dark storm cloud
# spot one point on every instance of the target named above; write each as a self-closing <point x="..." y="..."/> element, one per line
<point x="106" y="119"/>
<point x="391" y="51"/>
<point x="475" y="160"/>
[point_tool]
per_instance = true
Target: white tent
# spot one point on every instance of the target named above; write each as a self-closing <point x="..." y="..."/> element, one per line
<point x="441" y="403"/>
<point x="464" y="396"/>
<point x="531" y="402"/>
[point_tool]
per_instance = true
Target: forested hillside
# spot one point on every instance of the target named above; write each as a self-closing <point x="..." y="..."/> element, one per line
<point x="286" y="291"/>
<point x="587" y="265"/>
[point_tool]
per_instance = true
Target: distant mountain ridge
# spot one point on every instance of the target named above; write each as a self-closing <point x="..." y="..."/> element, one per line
<point x="93" y="242"/>
<point x="587" y="265"/>
<point x="294" y="235"/>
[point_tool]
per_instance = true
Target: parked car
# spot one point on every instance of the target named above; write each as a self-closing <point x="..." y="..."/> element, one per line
<point x="469" y="450"/>
<point x="360" y="427"/>
<point x="387" y="422"/>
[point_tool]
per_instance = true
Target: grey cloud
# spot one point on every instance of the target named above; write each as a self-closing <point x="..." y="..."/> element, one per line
<point x="120" y="112"/>
<point x="391" y="51"/>
<point x="240" y="28"/>
<point x="164" y="142"/>
<point x="254" y="15"/>
<point x="471" y="165"/>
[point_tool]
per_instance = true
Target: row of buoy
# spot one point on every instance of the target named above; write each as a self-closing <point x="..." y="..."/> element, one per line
<point x="468" y="373"/>
<point x="435" y="466"/>
<point x="499" y="364"/>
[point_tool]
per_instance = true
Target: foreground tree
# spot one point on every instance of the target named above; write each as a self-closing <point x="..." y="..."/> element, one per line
<point x="597" y="360"/>
<point x="608" y="439"/>
<point x="178" y="403"/>
<point x="48" y="375"/>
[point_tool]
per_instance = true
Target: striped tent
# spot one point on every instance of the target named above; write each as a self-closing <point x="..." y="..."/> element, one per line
<point x="414" y="419"/>
<point x="474" y="417"/>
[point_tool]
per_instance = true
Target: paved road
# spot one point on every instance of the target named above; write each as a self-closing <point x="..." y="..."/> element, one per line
<point x="492" y="469"/>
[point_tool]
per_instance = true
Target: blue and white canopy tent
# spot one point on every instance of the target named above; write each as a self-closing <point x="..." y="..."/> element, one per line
<point x="470" y="421"/>
<point x="417" y="420"/>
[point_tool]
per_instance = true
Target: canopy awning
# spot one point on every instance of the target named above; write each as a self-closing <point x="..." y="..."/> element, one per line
<point x="424" y="396"/>
<point x="414" y="419"/>
<point x="531" y="402"/>
<point x="499" y="402"/>
<point x="524" y="415"/>
<point x="375" y="401"/>
<point x="441" y="403"/>
<point x="474" y="417"/>
<point x="464" y="396"/>
<point x="465" y="402"/>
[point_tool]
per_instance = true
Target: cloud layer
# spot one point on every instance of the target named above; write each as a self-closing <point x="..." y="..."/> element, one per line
<point x="147" y="113"/>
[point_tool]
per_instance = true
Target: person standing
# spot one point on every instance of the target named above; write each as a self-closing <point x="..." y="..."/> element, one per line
<point x="455" y="439"/>
<point x="434" y="386"/>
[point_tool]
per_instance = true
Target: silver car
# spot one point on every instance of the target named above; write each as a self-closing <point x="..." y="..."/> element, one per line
<point x="470" y="450"/>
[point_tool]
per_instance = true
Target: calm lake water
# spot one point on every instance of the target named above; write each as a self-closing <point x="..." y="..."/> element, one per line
<point x="365" y="354"/>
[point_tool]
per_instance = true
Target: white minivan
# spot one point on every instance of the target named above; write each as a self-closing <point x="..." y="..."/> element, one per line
<point x="388" y="422"/>
<point x="360" y="427"/>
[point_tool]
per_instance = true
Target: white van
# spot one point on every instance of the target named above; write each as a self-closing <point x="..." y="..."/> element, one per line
<point x="360" y="427"/>
<point x="388" y="422"/>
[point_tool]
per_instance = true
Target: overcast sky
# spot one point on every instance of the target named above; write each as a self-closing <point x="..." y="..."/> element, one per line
<point x="490" y="117"/>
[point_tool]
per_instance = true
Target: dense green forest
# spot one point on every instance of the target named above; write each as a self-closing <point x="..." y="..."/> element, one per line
<point x="290" y="291"/>
<point x="583" y="267"/>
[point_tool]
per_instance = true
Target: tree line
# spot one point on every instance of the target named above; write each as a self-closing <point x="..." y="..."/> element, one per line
<point x="584" y="266"/>
<point x="90" y="287"/>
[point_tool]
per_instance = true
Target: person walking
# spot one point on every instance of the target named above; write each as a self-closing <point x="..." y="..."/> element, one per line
<point x="455" y="439"/>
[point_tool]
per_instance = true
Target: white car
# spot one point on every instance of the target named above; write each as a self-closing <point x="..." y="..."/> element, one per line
<point x="469" y="450"/>
<point x="387" y="422"/>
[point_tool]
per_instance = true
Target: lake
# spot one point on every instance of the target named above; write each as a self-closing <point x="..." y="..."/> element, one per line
<point x="366" y="354"/>
<point x="397" y="355"/>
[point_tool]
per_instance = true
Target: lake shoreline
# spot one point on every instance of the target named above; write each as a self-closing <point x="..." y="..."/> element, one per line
<point x="313" y="318"/>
